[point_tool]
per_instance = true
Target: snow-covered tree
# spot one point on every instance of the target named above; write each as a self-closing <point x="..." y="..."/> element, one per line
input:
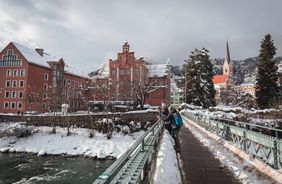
<point x="266" y="78"/>
<point x="199" y="86"/>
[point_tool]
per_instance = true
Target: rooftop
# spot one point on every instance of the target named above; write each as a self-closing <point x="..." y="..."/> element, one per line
<point x="219" y="79"/>
<point x="157" y="70"/>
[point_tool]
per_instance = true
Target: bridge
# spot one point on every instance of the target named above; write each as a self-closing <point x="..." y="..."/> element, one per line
<point x="137" y="164"/>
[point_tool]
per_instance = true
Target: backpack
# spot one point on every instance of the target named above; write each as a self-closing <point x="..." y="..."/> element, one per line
<point x="178" y="120"/>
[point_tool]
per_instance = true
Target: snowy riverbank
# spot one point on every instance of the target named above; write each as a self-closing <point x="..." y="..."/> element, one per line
<point x="42" y="142"/>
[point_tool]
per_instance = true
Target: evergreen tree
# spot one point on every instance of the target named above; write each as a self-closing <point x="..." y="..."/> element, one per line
<point x="266" y="79"/>
<point x="199" y="86"/>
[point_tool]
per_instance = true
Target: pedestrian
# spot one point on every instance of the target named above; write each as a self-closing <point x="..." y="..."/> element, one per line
<point x="169" y="119"/>
<point x="176" y="122"/>
<point x="163" y="115"/>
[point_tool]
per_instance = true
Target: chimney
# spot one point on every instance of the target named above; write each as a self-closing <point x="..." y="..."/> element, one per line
<point x="39" y="51"/>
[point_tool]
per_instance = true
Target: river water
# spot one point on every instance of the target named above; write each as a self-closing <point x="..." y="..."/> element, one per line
<point x="22" y="168"/>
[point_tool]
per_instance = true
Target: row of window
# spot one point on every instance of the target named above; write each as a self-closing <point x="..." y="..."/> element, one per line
<point x="13" y="105"/>
<point x="123" y="72"/>
<point x="14" y="83"/>
<point x="69" y="93"/>
<point x="11" y="63"/>
<point x="13" y="94"/>
<point x="72" y="83"/>
<point x="15" y="73"/>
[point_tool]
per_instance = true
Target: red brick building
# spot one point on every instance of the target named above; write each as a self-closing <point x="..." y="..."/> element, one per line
<point x="127" y="74"/>
<point x="32" y="80"/>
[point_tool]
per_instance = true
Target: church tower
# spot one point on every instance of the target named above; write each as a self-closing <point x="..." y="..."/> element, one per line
<point x="227" y="66"/>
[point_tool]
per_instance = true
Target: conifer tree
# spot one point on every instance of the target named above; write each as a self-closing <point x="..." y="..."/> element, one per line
<point x="266" y="79"/>
<point x="198" y="76"/>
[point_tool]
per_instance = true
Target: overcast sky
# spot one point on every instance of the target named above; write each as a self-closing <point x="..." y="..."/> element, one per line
<point x="87" y="33"/>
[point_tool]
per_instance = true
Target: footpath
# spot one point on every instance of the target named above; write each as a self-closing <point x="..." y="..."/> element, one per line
<point x="199" y="165"/>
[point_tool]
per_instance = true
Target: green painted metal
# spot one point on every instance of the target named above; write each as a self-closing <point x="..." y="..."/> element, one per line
<point x="137" y="163"/>
<point x="261" y="146"/>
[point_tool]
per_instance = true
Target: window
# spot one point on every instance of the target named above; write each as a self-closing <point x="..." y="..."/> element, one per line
<point x="45" y="86"/>
<point x="121" y="71"/>
<point x="22" y="72"/>
<point x="44" y="96"/>
<point x="13" y="105"/>
<point x="64" y="82"/>
<point x="13" y="94"/>
<point x="8" y="84"/>
<point x="6" y="105"/>
<point x="44" y="106"/>
<point x="72" y="83"/>
<point x="20" y="94"/>
<point x="71" y="104"/>
<point x="8" y="73"/>
<point x="114" y="72"/>
<point x="7" y="94"/>
<point x="15" y="83"/>
<point x="20" y="105"/>
<point x="15" y="73"/>
<point x="69" y="82"/>
<point x="21" y="83"/>
<point x="45" y="76"/>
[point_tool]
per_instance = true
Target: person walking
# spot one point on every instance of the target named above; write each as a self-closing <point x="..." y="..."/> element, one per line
<point x="176" y="122"/>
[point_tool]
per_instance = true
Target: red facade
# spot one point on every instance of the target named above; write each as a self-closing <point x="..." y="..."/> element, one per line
<point x="31" y="80"/>
<point x="126" y="73"/>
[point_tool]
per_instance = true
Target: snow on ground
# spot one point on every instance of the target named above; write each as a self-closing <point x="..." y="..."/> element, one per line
<point x="242" y="169"/>
<point x="78" y="143"/>
<point x="167" y="170"/>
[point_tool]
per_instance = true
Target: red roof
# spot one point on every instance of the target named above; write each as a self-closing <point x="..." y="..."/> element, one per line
<point x="218" y="79"/>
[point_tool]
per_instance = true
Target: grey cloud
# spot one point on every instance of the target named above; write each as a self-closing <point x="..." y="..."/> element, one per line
<point x="87" y="32"/>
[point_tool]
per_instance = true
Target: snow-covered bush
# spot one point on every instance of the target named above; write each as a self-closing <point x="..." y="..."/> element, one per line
<point x="17" y="130"/>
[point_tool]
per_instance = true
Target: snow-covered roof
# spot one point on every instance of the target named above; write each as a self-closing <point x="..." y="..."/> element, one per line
<point x="157" y="70"/>
<point x="34" y="57"/>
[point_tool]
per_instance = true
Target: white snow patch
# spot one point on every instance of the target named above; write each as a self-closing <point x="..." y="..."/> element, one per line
<point x="78" y="143"/>
<point x="167" y="170"/>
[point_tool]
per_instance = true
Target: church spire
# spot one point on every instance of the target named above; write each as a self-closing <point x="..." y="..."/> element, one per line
<point x="227" y="65"/>
<point x="227" y="54"/>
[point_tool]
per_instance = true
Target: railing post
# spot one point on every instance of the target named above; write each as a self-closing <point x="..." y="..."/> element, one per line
<point x="275" y="155"/>
<point x="276" y="134"/>
<point x="244" y="141"/>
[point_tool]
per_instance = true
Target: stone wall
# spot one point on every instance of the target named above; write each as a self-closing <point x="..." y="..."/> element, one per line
<point x="82" y="120"/>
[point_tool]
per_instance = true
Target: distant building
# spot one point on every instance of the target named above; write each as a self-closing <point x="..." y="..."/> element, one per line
<point x="32" y="80"/>
<point x="126" y="72"/>
<point x="222" y="81"/>
<point x="177" y="92"/>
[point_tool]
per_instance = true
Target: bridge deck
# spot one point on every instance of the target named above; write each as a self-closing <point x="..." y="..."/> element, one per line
<point x="199" y="165"/>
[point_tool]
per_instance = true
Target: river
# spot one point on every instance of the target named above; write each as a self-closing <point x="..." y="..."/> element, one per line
<point x="22" y="168"/>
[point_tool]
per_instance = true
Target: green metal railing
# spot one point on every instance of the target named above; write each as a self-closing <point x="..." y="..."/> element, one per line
<point x="137" y="164"/>
<point x="264" y="147"/>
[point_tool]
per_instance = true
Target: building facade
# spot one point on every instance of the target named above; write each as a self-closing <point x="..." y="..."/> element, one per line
<point x="131" y="78"/>
<point x="32" y="80"/>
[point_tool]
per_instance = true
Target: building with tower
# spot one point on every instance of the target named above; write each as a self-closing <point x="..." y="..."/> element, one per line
<point x="132" y="78"/>
<point x="222" y="81"/>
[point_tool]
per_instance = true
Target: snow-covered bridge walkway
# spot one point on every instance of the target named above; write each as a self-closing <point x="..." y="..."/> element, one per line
<point x="205" y="160"/>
